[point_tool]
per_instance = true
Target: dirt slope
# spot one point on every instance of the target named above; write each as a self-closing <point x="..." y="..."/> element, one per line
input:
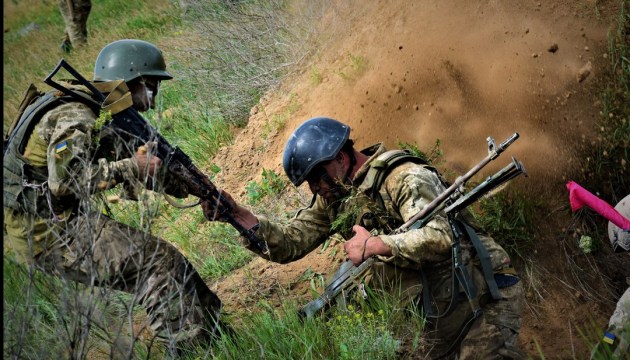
<point x="458" y="71"/>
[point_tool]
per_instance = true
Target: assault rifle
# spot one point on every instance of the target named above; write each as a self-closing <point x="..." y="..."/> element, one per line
<point x="132" y="126"/>
<point x="453" y="200"/>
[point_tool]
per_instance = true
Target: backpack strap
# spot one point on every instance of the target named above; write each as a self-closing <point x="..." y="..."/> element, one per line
<point x="381" y="167"/>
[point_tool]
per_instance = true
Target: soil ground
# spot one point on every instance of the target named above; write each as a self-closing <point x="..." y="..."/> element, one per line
<point x="458" y="71"/>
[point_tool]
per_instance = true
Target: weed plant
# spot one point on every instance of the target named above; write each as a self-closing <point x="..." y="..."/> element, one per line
<point x="607" y="167"/>
<point x="509" y="217"/>
<point x="361" y="331"/>
<point x="271" y="183"/>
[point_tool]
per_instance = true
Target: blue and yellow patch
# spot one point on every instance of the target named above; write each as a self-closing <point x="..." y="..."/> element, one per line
<point x="61" y="147"/>
<point x="609" y="338"/>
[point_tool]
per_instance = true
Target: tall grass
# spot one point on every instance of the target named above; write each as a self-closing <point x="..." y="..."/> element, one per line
<point x="365" y="330"/>
<point x="238" y="50"/>
<point x="46" y="316"/>
<point x="225" y="55"/>
<point x="606" y="172"/>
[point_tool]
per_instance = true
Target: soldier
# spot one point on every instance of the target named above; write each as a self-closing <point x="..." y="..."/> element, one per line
<point x="615" y="343"/>
<point x="59" y="159"/>
<point x="75" y="15"/>
<point x="380" y="190"/>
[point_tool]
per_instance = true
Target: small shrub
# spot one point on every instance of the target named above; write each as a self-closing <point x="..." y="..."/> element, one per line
<point x="508" y="217"/>
<point x="270" y="184"/>
<point x="435" y="154"/>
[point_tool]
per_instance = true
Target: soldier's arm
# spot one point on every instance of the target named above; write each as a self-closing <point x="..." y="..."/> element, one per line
<point x="411" y="188"/>
<point x="309" y="228"/>
<point x="68" y="129"/>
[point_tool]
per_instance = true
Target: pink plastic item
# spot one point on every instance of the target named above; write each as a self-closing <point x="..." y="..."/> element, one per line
<point x="578" y="197"/>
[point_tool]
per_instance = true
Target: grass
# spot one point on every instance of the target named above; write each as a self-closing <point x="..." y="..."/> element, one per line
<point x="352" y="67"/>
<point x="509" y="217"/>
<point x="607" y="167"/>
<point x="231" y="58"/>
<point x="363" y="330"/>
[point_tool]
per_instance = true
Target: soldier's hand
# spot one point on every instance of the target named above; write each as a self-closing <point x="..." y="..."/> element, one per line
<point x="148" y="163"/>
<point x="356" y="246"/>
<point x="363" y="245"/>
<point x="211" y="207"/>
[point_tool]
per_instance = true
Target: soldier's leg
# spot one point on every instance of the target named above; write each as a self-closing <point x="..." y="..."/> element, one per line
<point x="494" y="335"/>
<point x="106" y="253"/>
<point x="75" y="15"/>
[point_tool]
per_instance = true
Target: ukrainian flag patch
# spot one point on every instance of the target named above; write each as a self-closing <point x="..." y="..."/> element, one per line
<point x="61" y="147"/>
<point x="608" y="338"/>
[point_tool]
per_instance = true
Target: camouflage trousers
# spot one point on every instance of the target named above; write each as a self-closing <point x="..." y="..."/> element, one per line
<point x="493" y="335"/>
<point x="96" y="250"/>
<point x="75" y="15"/>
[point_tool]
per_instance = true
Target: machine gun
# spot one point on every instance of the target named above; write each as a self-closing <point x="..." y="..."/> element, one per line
<point x="453" y="200"/>
<point x="130" y="125"/>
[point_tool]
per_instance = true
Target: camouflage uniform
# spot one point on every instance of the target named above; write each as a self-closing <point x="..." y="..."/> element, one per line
<point x="75" y="14"/>
<point x="405" y="191"/>
<point x="81" y="244"/>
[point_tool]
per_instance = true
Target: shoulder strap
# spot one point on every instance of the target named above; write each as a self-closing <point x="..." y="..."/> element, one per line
<point x="30" y="95"/>
<point x="381" y="167"/>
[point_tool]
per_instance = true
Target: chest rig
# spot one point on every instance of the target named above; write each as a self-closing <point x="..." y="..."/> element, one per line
<point x="375" y="216"/>
<point x="24" y="185"/>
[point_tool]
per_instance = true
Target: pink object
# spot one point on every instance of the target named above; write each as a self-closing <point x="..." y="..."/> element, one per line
<point x="578" y="197"/>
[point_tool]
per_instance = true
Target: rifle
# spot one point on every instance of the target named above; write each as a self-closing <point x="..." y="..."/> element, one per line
<point x="451" y="201"/>
<point x="129" y="124"/>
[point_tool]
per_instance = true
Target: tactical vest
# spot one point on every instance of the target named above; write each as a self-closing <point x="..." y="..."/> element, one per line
<point x="371" y="187"/>
<point x="379" y="169"/>
<point x="25" y="185"/>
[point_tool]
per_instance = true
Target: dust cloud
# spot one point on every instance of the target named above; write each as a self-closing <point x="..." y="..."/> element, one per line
<point x="460" y="72"/>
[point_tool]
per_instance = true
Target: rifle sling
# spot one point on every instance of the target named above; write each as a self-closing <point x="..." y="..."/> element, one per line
<point x="484" y="257"/>
<point x="460" y="275"/>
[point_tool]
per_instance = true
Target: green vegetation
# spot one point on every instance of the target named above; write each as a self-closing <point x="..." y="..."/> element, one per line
<point x="315" y="76"/>
<point x="233" y="57"/>
<point x="352" y="67"/>
<point x="509" y="217"/>
<point x="278" y="120"/>
<point x="270" y="184"/>
<point x="434" y="157"/>
<point x="361" y="331"/>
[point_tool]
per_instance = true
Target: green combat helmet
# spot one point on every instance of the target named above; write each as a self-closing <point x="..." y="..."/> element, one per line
<point x="128" y="59"/>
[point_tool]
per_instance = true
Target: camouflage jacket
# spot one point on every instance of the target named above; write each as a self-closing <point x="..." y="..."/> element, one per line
<point x="405" y="191"/>
<point x="75" y="160"/>
<point x="410" y="187"/>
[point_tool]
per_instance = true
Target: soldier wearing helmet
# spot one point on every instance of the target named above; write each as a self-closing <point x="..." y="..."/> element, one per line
<point x="615" y="343"/>
<point x="58" y="158"/>
<point x="379" y="190"/>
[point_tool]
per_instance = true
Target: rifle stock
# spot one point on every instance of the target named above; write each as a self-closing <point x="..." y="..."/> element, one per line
<point x="451" y="201"/>
<point x="132" y="126"/>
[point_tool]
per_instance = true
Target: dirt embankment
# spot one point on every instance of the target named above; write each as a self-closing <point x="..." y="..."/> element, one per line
<point x="458" y="71"/>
